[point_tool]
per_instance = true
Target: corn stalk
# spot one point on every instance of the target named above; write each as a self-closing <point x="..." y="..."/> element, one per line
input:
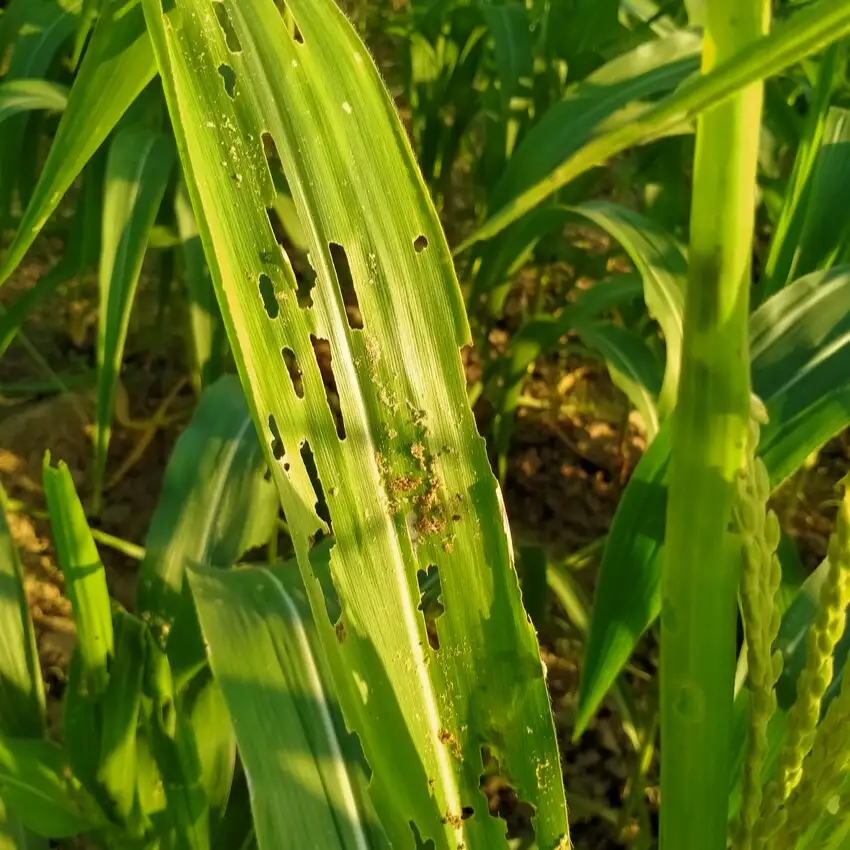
<point x="709" y="443"/>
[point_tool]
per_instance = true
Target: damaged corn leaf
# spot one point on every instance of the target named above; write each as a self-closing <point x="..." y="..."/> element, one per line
<point x="354" y="377"/>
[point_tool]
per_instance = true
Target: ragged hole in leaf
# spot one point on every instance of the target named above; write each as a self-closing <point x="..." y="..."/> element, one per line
<point x="313" y="474"/>
<point x="320" y="563"/>
<point x="228" y="75"/>
<point x="306" y="280"/>
<point x="292" y="367"/>
<point x="324" y="360"/>
<point x="278" y="450"/>
<point x="420" y="243"/>
<point x="430" y="603"/>
<point x="230" y="36"/>
<point x="289" y="21"/>
<point x="346" y="285"/>
<point x="276" y="225"/>
<point x="269" y="297"/>
<point x="503" y="801"/>
<point x="467" y="812"/>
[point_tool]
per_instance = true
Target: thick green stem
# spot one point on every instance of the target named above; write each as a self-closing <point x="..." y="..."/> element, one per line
<point x="709" y="443"/>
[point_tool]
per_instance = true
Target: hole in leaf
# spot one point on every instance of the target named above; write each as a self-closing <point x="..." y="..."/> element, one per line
<point x="269" y="297"/>
<point x="277" y="443"/>
<point x="467" y="812"/>
<point x="306" y="280"/>
<point x="276" y="225"/>
<point x="230" y="36"/>
<point x="420" y="243"/>
<point x="324" y="360"/>
<point x="346" y="285"/>
<point x="320" y="562"/>
<point x="270" y="153"/>
<point x="228" y="75"/>
<point x="430" y="604"/>
<point x="289" y="21"/>
<point x="292" y="367"/>
<point x="313" y="474"/>
<point x="503" y="801"/>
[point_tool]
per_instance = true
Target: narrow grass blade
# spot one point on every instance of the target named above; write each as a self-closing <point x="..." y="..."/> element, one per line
<point x="138" y="168"/>
<point x="118" y="64"/>
<point x="85" y="579"/>
<point x="307" y="788"/>
<point x="17" y="96"/>
<point x="39" y="788"/>
<point x="395" y="438"/>
<point x="808" y="31"/>
<point x="21" y="688"/>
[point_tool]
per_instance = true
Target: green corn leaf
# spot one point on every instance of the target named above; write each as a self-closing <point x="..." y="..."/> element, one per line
<point x="214" y="506"/>
<point x="14" y="835"/>
<point x="17" y="96"/>
<point x="206" y="710"/>
<point x="663" y="266"/>
<point x="85" y="579"/>
<point x="118" y="64"/>
<point x="119" y="715"/>
<point x="139" y="165"/>
<point x="39" y="788"/>
<point x="824" y="231"/>
<point x="632" y="366"/>
<point x="808" y="31"/>
<point x="592" y="105"/>
<point x="307" y="786"/>
<point x="21" y="688"/>
<point x="209" y="340"/>
<point x="786" y="234"/>
<point x="400" y="473"/>
<point x="800" y="342"/>
<point x="800" y="349"/>
<point x="176" y="751"/>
